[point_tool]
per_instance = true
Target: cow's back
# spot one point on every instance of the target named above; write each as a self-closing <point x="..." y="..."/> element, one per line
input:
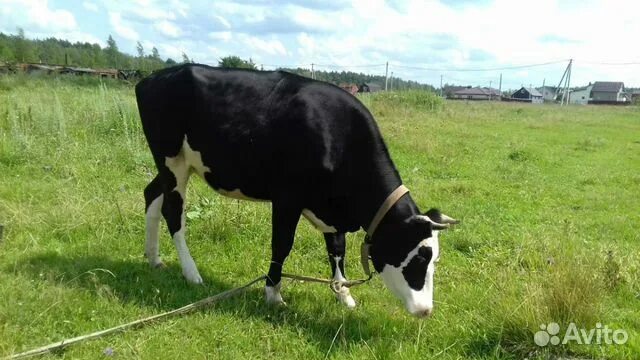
<point x="253" y="130"/>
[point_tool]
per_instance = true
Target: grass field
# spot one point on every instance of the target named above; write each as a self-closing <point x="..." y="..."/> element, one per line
<point x="548" y="198"/>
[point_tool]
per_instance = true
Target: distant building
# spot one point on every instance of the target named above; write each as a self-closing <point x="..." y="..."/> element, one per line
<point x="635" y="95"/>
<point x="448" y="91"/>
<point x="605" y="92"/>
<point x="581" y="95"/>
<point x="477" y="93"/>
<point x="528" y="95"/>
<point x="549" y="93"/>
<point x="369" y="88"/>
<point x="350" y="88"/>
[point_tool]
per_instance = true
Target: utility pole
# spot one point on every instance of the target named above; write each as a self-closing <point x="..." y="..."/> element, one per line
<point x="569" y="80"/>
<point x="500" y="86"/>
<point x="564" y="88"/>
<point x="441" y="85"/>
<point x="313" y="74"/>
<point x="543" y="89"/>
<point x="391" y="86"/>
<point x="386" y="76"/>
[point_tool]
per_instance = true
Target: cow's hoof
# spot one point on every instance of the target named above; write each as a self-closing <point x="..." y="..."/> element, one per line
<point x="158" y="264"/>
<point x="345" y="298"/>
<point x="193" y="277"/>
<point x="273" y="297"/>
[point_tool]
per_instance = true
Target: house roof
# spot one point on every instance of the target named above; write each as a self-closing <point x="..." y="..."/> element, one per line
<point x="533" y="91"/>
<point x="478" y="91"/>
<point x="607" y="86"/>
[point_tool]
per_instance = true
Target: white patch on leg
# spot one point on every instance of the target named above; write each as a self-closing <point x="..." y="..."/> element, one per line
<point x="180" y="166"/>
<point x="152" y="217"/>
<point x="272" y="295"/>
<point x="344" y="295"/>
<point x="189" y="269"/>
<point x="317" y="223"/>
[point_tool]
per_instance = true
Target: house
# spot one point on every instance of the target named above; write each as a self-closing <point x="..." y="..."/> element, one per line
<point x="608" y="92"/>
<point x="449" y="90"/>
<point x="527" y="95"/>
<point x="477" y="93"/>
<point x="580" y="95"/>
<point x="369" y="88"/>
<point x="635" y="95"/>
<point x="549" y="93"/>
<point x="350" y="88"/>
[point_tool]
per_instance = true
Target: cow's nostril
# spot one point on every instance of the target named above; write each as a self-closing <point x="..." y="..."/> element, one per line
<point x="423" y="313"/>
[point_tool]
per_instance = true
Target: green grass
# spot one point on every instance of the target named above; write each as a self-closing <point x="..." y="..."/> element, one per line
<point x="548" y="198"/>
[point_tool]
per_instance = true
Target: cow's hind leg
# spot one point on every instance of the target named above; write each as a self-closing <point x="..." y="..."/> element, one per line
<point x="283" y="227"/>
<point x="153" y="205"/>
<point x="336" y="248"/>
<point x="175" y="179"/>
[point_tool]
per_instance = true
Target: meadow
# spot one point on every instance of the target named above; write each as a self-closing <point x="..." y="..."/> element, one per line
<point x="547" y="195"/>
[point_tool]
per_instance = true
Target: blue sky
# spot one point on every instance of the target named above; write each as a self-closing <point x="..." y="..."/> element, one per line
<point x="421" y="40"/>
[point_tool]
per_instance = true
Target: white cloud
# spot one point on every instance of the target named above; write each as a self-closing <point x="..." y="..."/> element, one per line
<point x="90" y="6"/>
<point x="224" y="36"/>
<point x="416" y="33"/>
<point x="121" y="27"/>
<point x="35" y="15"/>
<point x="270" y="47"/>
<point x="224" y="22"/>
<point x="168" y="29"/>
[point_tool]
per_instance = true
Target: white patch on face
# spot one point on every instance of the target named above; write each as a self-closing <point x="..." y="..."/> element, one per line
<point x="317" y="223"/>
<point x="152" y="248"/>
<point x="435" y="244"/>
<point x="419" y="303"/>
<point x="344" y="295"/>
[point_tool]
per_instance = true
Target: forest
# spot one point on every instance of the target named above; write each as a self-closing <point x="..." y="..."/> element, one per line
<point x="17" y="48"/>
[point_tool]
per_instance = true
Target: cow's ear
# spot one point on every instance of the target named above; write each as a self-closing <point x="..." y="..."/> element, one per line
<point x="437" y="216"/>
<point x="422" y="219"/>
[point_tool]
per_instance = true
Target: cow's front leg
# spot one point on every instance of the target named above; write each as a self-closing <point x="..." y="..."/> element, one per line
<point x="336" y="246"/>
<point x="284" y="219"/>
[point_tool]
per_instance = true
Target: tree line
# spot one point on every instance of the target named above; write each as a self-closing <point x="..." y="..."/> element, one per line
<point x="16" y="48"/>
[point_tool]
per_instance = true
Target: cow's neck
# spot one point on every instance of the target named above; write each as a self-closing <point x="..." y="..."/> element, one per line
<point x="376" y="180"/>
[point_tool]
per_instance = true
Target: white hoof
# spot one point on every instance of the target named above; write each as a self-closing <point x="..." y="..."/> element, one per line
<point x="345" y="298"/>
<point x="272" y="295"/>
<point x="190" y="272"/>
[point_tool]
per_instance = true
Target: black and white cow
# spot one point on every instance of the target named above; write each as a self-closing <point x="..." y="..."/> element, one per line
<point x="308" y="147"/>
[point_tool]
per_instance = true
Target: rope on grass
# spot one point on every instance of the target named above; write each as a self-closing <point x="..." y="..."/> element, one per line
<point x="335" y="286"/>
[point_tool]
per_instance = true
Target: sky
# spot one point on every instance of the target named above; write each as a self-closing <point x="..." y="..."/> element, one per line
<point x="421" y="40"/>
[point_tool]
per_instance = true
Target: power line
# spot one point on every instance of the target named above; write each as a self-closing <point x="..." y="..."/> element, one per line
<point x="350" y="66"/>
<point x="609" y="63"/>
<point x="482" y="69"/>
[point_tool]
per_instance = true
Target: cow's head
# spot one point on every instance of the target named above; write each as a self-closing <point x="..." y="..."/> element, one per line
<point x="405" y="258"/>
